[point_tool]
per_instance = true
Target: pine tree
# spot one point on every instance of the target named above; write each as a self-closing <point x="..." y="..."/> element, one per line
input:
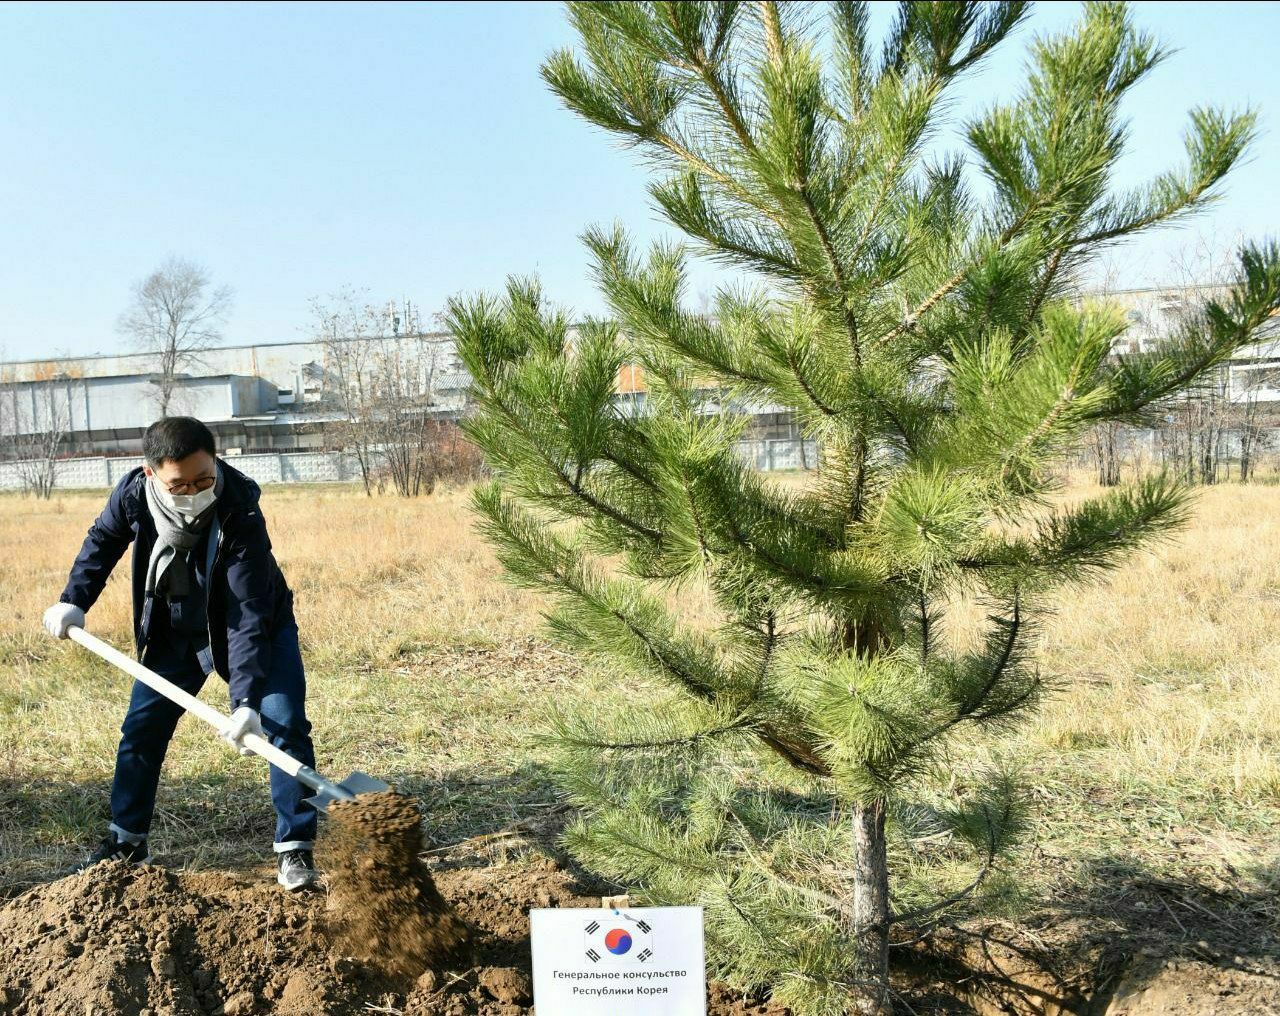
<point x="912" y="310"/>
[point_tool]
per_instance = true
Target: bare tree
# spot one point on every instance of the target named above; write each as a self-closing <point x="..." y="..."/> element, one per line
<point x="380" y="375"/>
<point x="1195" y="438"/>
<point x="1104" y="449"/>
<point x="449" y="455"/>
<point x="35" y="425"/>
<point x="1251" y="422"/>
<point x="400" y="414"/>
<point x="348" y="331"/>
<point x="176" y="316"/>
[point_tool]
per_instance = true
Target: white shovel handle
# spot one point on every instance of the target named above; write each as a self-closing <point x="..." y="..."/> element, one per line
<point x="258" y="745"/>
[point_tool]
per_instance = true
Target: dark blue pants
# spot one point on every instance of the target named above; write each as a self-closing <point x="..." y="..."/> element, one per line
<point x="151" y="719"/>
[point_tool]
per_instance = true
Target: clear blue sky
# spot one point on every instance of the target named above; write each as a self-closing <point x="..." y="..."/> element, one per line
<point x="412" y="150"/>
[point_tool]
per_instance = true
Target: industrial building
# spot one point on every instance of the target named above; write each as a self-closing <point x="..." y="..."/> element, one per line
<point x="282" y="396"/>
<point x="107" y="415"/>
<point x="1253" y="375"/>
<point x="262" y="397"/>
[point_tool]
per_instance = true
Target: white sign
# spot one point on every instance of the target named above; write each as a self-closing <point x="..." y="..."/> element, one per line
<point x="641" y="960"/>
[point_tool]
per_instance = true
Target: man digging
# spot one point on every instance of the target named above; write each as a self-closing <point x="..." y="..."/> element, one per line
<point x="207" y="595"/>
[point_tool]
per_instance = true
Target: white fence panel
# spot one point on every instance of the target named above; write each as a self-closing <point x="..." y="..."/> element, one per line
<point x="73" y="473"/>
<point x="783" y="453"/>
<point x="10" y="476"/>
<point x="117" y="469"/>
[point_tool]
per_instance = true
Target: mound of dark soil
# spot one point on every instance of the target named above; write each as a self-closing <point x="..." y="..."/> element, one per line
<point x="123" y="941"/>
<point x="130" y="941"/>
<point x="136" y="940"/>
<point x="384" y="905"/>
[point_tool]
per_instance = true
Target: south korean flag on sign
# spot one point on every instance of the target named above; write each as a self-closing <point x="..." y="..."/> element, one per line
<point x="618" y="938"/>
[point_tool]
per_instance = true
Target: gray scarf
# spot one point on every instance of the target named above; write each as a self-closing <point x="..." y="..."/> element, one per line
<point x="169" y="569"/>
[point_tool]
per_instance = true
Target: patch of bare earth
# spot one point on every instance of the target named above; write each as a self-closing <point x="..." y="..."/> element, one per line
<point x="155" y="942"/>
<point x="147" y="941"/>
<point x="1138" y="958"/>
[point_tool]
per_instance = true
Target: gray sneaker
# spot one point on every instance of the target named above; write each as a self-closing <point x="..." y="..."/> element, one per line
<point x="296" y="869"/>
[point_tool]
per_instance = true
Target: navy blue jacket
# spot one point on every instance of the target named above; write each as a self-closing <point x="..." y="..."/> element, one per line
<point x="248" y="599"/>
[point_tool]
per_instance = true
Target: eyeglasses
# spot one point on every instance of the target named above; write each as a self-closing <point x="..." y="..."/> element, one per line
<point x="194" y="487"/>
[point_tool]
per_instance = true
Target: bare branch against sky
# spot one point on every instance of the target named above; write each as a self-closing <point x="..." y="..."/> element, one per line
<point x="175" y="315"/>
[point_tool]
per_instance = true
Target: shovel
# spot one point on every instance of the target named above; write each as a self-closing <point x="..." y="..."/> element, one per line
<point x="326" y="791"/>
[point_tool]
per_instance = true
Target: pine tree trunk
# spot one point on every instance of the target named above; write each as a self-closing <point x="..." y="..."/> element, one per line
<point x="871" y="911"/>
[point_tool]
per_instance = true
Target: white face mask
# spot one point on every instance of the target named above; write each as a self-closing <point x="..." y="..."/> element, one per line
<point x="189" y="505"/>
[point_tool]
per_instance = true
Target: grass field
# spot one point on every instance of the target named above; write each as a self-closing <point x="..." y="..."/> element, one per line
<point x="1159" y="758"/>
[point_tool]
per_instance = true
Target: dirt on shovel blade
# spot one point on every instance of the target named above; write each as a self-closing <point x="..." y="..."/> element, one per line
<point x="383" y="903"/>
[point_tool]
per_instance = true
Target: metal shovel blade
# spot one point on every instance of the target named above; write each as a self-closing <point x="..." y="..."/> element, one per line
<point x="357" y="783"/>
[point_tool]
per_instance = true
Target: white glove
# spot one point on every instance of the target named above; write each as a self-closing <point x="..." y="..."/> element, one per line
<point x="243" y="721"/>
<point x="60" y="617"/>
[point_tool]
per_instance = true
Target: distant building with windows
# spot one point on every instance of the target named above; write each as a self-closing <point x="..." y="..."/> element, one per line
<point x="107" y="415"/>
<point x="262" y="397"/>
<point x="280" y="396"/>
<point x="1154" y="315"/>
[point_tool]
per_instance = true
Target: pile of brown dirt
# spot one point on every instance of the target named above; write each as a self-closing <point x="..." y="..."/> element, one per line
<point x="124" y="941"/>
<point x="147" y="941"/>
<point x="385" y="907"/>
<point x="120" y="939"/>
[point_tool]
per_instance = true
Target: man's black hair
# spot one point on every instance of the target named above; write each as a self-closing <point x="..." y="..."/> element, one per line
<point x="173" y="438"/>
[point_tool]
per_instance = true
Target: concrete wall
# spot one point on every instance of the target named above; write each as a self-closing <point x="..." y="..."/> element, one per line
<point x="283" y="467"/>
<point x="768" y="455"/>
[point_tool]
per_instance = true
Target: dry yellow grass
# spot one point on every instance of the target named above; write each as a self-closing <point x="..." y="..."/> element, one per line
<point x="1160" y="750"/>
